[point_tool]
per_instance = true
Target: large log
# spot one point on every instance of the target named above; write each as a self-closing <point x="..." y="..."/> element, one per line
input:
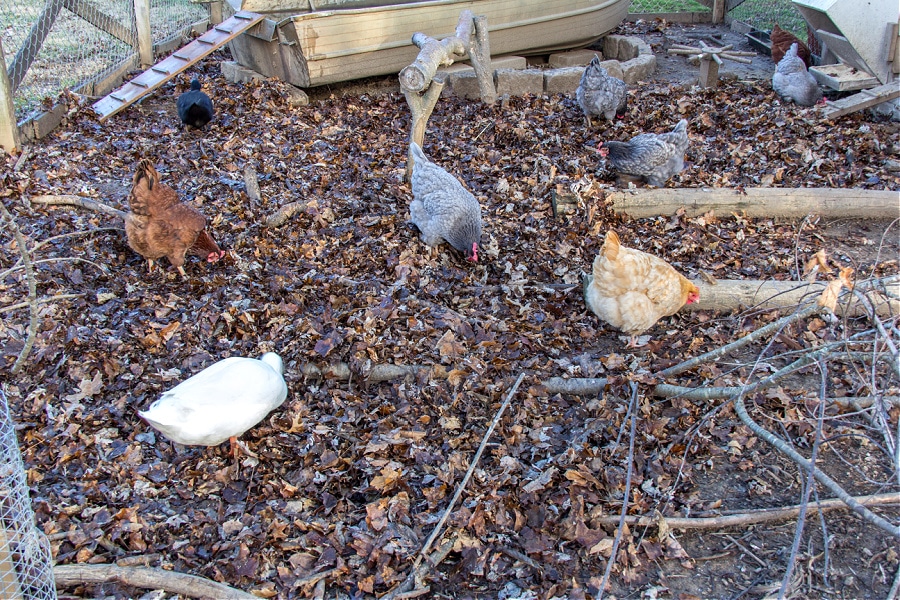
<point x="732" y="294"/>
<point x="759" y="202"/>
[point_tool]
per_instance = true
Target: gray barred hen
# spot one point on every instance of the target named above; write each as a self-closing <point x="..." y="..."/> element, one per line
<point x="442" y="208"/>
<point x="793" y="82"/>
<point x="600" y="94"/>
<point x="655" y="157"/>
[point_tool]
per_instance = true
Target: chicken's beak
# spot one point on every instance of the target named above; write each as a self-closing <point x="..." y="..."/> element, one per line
<point x="474" y="257"/>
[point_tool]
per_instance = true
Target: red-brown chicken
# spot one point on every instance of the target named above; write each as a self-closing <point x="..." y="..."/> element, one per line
<point x="160" y="225"/>
<point x="781" y="43"/>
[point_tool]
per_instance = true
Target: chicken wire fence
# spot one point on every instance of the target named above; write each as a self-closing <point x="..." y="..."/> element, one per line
<point x="760" y="14"/>
<point x="51" y="45"/>
<point x="25" y="568"/>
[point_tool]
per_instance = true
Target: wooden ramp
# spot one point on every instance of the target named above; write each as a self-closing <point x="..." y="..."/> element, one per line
<point x="166" y="69"/>
<point x="861" y="100"/>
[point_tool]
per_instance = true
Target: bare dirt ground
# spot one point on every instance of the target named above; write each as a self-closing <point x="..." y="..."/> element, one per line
<point x="351" y="477"/>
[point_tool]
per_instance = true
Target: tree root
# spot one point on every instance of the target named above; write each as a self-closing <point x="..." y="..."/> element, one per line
<point x="147" y="578"/>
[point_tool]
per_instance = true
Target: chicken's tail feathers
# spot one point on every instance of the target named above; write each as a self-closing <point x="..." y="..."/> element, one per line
<point x="681" y="127"/>
<point x="610" y="247"/>
<point x="417" y="153"/>
<point x="146" y="172"/>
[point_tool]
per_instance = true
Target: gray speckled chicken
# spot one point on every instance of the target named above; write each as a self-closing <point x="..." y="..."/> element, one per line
<point x="442" y="208"/>
<point x="600" y="94"/>
<point x="793" y="82"/>
<point x="655" y="157"/>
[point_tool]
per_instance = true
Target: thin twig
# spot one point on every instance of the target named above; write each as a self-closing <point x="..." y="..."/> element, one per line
<point x="633" y="410"/>
<point x="39" y="301"/>
<point x="468" y="475"/>
<point x="18" y="266"/>
<point x="808" y="485"/>
<point x="752" y="517"/>
<point x="32" y="291"/>
<point x="414" y="574"/>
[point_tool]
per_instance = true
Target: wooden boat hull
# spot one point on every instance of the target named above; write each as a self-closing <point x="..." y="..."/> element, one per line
<point x="317" y="48"/>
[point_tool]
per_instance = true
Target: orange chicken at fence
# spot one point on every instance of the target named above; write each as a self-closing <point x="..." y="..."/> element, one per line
<point x="632" y="290"/>
<point x="160" y="225"/>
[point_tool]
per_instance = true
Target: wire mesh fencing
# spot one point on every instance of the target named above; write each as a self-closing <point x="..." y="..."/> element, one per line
<point x="760" y="14"/>
<point x="26" y="572"/>
<point x="51" y="45"/>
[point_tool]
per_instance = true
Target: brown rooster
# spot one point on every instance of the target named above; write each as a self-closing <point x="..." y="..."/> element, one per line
<point x="781" y="43"/>
<point x="160" y="225"/>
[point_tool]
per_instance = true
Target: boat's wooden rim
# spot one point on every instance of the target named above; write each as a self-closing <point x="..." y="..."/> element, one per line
<point x="399" y="44"/>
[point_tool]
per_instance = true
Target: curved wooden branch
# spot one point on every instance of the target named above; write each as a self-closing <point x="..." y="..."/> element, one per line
<point x="147" y="578"/>
<point x="79" y="201"/>
<point x="434" y="54"/>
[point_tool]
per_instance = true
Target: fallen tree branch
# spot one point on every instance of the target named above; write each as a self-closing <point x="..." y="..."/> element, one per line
<point x="79" y="201"/>
<point x="147" y="578"/>
<point x="278" y="218"/>
<point x="752" y="517"/>
<point x="823" y="478"/>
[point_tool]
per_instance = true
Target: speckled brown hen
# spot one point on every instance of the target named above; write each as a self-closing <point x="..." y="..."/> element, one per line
<point x="160" y="225"/>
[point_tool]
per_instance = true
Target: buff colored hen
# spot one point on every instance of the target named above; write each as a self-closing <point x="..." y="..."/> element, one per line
<point x="632" y="290"/>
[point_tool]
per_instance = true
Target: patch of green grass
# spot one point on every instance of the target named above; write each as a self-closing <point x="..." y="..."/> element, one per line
<point x="666" y="6"/>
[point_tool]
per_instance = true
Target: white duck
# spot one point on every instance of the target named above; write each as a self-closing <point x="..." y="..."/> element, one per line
<point x="220" y="402"/>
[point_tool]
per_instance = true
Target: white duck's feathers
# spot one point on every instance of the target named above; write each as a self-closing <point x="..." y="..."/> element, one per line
<point x="220" y="402"/>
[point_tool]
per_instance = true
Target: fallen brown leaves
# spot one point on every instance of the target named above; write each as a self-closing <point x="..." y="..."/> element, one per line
<point x="351" y="477"/>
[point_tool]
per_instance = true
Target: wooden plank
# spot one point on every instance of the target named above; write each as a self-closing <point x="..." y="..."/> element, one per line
<point x="32" y="44"/>
<point x="9" y="131"/>
<point x="861" y="100"/>
<point x="144" y="33"/>
<point x="760" y="202"/>
<point x="843" y="78"/>
<point x="101" y="20"/>
<point x="163" y="71"/>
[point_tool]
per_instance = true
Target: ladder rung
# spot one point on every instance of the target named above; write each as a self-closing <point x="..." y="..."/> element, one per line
<point x="207" y="42"/>
<point x="242" y="17"/>
<point x="139" y="84"/>
<point x="180" y="57"/>
<point x="223" y="30"/>
<point x="160" y="70"/>
<point x="119" y="98"/>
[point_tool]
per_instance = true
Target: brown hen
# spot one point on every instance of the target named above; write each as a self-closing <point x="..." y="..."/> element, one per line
<point x="781" y="43"/>
<point x="631" y="290"/>
<point x="160" y="225"/>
